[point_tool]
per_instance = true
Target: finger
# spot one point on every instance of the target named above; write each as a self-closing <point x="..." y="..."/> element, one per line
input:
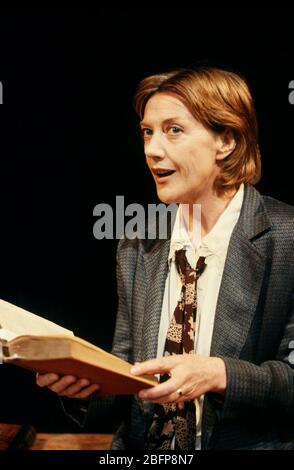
<point x="176" y="397"/>
<point x="86" y="392"/>
<point x="153" y="366"/>
<point x="63" y="383"/>
<point x="159" y="391"/>
<point x="44" y="380"/>
<point x="172" y="398"/>
<point x="75" y="387"/>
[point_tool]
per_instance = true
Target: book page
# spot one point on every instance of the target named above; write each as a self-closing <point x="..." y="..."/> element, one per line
<point x="15" y="321"/>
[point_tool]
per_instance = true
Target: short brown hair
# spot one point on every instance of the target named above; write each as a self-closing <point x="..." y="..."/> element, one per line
<point x="220" y="100"/>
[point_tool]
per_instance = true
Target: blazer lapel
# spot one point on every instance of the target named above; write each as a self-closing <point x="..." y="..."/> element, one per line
<point x="242" y="279"/>
<point x="238" y="296"/>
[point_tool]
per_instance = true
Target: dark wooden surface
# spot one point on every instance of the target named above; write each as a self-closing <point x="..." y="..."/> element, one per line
<point x="50" y="441"/>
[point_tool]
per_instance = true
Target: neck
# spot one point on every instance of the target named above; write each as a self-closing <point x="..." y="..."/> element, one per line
<point x="212" y="207"/>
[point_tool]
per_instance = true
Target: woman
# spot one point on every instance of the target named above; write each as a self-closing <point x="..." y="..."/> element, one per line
<point x="212" y="316"/>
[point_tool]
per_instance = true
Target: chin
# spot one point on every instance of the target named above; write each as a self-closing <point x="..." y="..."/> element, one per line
<point x="167" y="198"/>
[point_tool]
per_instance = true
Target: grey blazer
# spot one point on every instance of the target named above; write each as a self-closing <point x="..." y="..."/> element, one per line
<point x="254" y="325"/>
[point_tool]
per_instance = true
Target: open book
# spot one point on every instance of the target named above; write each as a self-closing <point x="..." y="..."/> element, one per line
<point x="32" y="342"/>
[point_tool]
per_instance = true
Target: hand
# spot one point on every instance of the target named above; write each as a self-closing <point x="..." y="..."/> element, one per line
<point x="193" y="374"/>
<point x="67" y="385"/>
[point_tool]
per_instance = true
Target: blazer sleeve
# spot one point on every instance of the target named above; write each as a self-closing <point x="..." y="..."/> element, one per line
<point x="267" y="388"/>
<point x="126" y="258"/>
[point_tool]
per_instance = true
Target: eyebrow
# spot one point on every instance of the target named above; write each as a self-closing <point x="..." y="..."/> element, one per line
<point x="165" y="121"/>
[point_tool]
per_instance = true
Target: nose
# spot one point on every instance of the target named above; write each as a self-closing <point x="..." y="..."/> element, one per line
<point x="154" y="148"/>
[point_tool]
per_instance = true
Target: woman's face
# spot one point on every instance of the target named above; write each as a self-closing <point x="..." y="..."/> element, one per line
<point x="181" y="153"/>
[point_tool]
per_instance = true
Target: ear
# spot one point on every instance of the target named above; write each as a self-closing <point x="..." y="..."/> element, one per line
<point x="227" y="144"/>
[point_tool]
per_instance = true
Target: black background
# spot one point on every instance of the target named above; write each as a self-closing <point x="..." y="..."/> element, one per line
<point x="69" y="140"/>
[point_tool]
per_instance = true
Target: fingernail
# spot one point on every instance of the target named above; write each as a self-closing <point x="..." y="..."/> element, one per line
<point x="134" y="370"/>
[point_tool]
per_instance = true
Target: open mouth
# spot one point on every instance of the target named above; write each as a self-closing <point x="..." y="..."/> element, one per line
<point x="163" y="173"/>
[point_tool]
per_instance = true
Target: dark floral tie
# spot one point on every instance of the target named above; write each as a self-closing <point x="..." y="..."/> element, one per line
<point x="179" y="419"/>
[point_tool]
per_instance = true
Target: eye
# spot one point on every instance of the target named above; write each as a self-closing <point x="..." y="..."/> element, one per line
<point x="146" y="132"/>
<point x="174" y="130"/>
